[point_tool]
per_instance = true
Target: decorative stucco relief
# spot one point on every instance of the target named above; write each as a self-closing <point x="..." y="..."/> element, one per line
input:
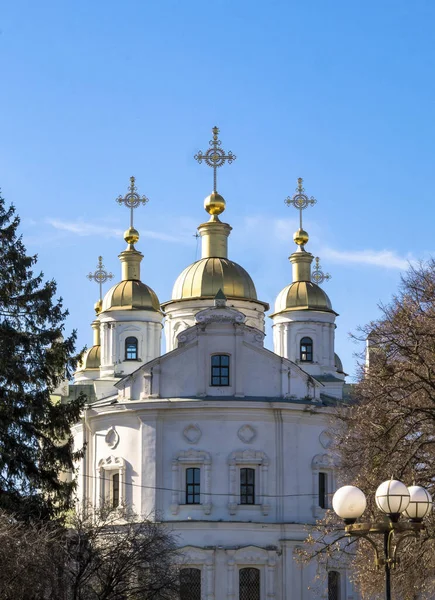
<point x="112" y="437"/>
<point x="247" y="434"/>
<point x="192" y="433"/>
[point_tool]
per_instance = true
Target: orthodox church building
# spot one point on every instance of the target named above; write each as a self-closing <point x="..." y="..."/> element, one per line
<point x="222" y="439"/>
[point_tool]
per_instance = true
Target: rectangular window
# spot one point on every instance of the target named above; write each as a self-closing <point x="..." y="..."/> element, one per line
<point x="193" y="485"/>
<point x="323" y="490"/>
<point x="247" y="486"/>
<point x="190" y="584"/>
<point x="220" y="369"/>
<point x="115" y="490"/>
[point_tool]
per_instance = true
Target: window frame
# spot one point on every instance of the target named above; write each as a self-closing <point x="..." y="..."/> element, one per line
<point x="334" y="594"/>
<point x="194" y="486"/>
<point x="322" y="489"/>
<point x="126" y="350"/>
<point x="254" y="459"/>
<point x="181" y="461"/>
<point x="308" y="353"/>
<point x="322" y="463"/>
<point x="197" y="571"/>
<point x="107" y="469"/>
<point x="249" y="594"/>
<point x="245" y="491"/>
<point x="115" y="489"/>
<point x="221" y="366"/>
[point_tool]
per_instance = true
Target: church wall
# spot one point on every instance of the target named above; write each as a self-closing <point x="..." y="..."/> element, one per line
<point x="157" y="446"/>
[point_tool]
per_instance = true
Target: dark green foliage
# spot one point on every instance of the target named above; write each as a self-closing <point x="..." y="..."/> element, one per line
<point x="35" y="439"/>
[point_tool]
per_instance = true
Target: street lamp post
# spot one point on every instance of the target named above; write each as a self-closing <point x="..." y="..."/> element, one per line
<point x="394" y="499"/>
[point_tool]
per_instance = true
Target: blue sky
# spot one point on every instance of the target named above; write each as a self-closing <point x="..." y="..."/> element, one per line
<point x="341" y="93"/>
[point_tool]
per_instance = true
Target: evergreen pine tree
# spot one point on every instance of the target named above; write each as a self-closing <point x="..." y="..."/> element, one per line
<point x="35" y="436"/>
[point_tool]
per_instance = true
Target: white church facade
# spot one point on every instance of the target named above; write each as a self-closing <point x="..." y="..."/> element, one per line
<point x="222" y="439"/>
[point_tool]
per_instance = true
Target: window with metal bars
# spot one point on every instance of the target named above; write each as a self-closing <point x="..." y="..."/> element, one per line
<point x="193" y="485"/>
<point x="323" y="490"/>
<point x="247" y="486"/>
<point x="190" y="584"/>
<point x="131" y="348"/>
<point x="249" y="584"/>
<point x="306" y="347"/>
<point x="334" y="585"/>
<point x="220" y="369"/>
<point x="115" y="490"/>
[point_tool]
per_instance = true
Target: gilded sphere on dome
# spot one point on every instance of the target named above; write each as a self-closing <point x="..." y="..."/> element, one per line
<point x="214" y="204"/>
<point x="300" y="237"/>
<point x="131" y="236"/>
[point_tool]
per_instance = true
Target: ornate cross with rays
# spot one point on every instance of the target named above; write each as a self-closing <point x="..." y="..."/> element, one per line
<point x="300" y="200"/>
<point x="318" y="276"/>
<point x="132" y="199"/>
<point x="100" y="276"/>
<point x="215" y="157"/>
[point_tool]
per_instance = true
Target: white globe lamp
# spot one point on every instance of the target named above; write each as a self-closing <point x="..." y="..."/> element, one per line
<point x="420" y="504"/>
<point x="349" y="503"/>
<point x="392" y="498"/>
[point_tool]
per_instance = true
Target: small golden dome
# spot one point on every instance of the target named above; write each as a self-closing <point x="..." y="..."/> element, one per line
<point x="303" y="295"/>
<point x="338" y="363"/>
<point x="300" y="237"/>
<point x="131" y="236"/>
<point x="91" y="359"/>
<point x="97" y="307"/>
<point x="131" y="295"/>
<point x="205" y="277"/>
<point x="214" y="204"/>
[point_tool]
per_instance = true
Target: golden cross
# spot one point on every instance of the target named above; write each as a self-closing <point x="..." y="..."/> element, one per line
<point x="100" y="276"/>
<point x="132" y="199"/>
<point x="318" y="276"/>
<point x="300" y="200"/>
<point x="215" y="157"/>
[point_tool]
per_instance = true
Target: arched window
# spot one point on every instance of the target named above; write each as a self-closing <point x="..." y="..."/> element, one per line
<point x="131" y="348"/>
<point x="249" y="584"/>
<point x="247" y="486"/>
<point x="190" y="584"/>
<point x="115" y="490"/>
<point x="334" y="585"/>
<point x="193" y="485"/>
<point x="306" y="349"/>
<point x="220" y="369"/>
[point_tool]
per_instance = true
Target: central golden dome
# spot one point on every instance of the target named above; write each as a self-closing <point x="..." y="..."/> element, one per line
<point x="303" y="295"/>
<point x="131" y="295"/>
<point x="207" y="276"/>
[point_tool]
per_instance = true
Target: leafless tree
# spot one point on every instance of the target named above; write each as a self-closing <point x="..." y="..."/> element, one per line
<point x="103" y="555"/>
<point x="388" y="429"/>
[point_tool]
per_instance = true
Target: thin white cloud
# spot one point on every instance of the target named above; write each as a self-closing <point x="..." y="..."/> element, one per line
<point x="378" y="258"/>
<point x="83" y="229"/>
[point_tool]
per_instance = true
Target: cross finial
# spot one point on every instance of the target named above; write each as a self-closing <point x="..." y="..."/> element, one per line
<point x="100" y="276"/>
<point x="300" y="200"/>
<point x="132" y="199"/>
<point x="318" y="276"/>
<point x="215" y="156"/>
